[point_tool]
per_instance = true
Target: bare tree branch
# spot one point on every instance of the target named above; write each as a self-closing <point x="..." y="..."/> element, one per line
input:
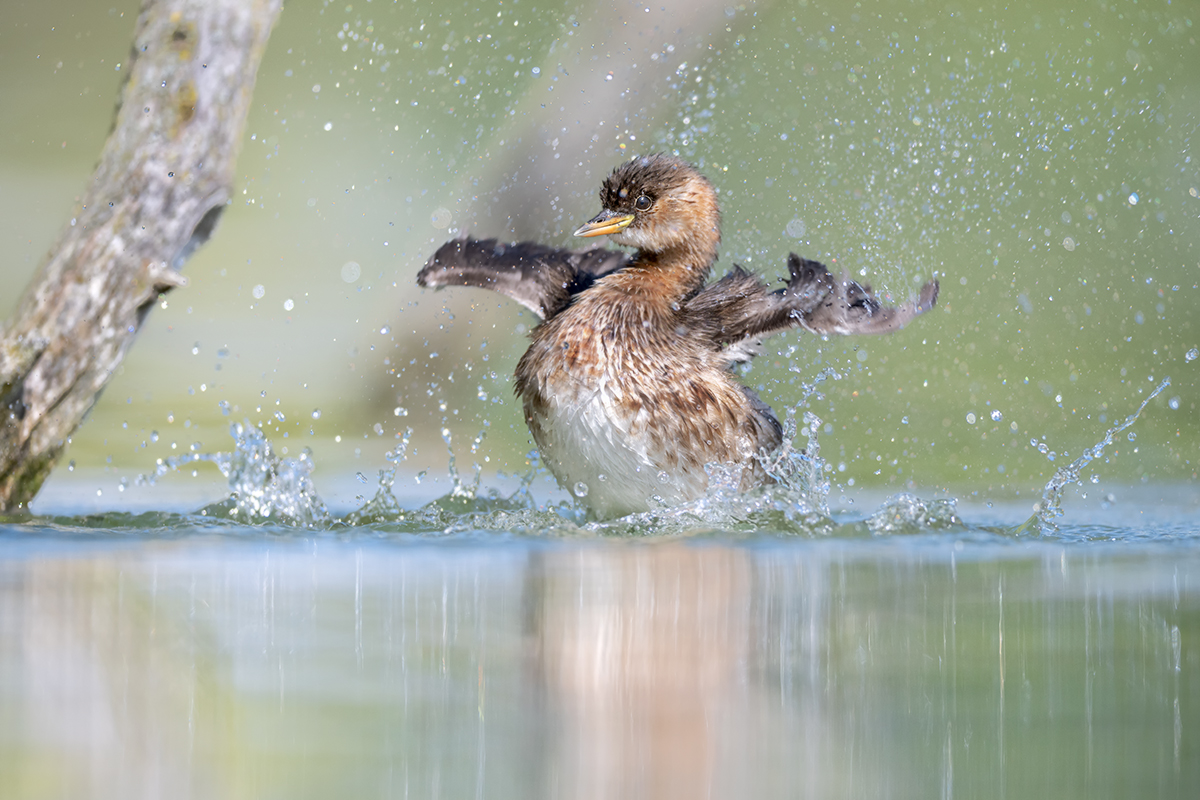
<point x="165" y="174"/>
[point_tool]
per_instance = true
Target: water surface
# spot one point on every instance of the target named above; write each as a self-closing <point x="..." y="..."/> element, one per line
<point x="170" y="655"/>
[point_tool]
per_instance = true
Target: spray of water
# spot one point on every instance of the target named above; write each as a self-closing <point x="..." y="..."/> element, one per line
<point x="262" y="486"/>
<point x="1050" y="506"/>
<point x="384" y="507"/>
<point x="802" y="471"/>
<point x="265" y="488"/>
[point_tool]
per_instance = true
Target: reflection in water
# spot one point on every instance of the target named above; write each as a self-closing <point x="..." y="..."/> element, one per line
<point x="643" y="661"/>
<point x="103" y="691"/>
<point x="909" y="667"/>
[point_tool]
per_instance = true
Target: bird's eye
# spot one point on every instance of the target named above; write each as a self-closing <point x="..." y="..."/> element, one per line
<point x="643" y="203"/>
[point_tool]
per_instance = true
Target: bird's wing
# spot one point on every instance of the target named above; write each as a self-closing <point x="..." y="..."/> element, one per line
<point x="852" y="308"/>
<point x="543" y="279"/>
<point x="738" y="311"/>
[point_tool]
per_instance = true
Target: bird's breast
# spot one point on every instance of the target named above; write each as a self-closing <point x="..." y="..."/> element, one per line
<point x="624" y="416"/>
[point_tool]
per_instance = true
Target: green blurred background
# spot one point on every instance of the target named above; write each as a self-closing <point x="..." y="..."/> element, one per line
<point x="1036" y="157"/>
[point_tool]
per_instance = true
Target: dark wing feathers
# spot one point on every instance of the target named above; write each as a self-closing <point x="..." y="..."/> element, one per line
<point x="541" y="278"/>
<point x="735" y="313"/>
<point x="852" y="308"/>
<point x="739" y="310"/>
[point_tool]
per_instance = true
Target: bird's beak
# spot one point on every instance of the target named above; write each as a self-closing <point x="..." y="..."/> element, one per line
<point x="605" y="222"/>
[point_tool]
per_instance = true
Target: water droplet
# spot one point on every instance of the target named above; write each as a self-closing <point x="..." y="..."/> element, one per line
<point x="1173" y="403"/>
<point x="385" y="330"/>
<point x="361" y="478"/>
<point x="279" y="416"/>
<point x="328" y="126"/>
<point x="258" y="291"/>
<point x="663" y="477"/>
<point x="1132" y="436"/>
<point x="351" y="271"/>
<point x="1069" y="243"/>
<point x="1192" y="354"/>
<point x="581" y="489"/>
<point x="288" y="305"/>
<point x="1133" y="199"/>
<point x="196" y="350"/>
<point x="440" y="218"/>
<point x="602" y="477"/>
<point x="400" y="411"/>
<point x="154" y="436"/>
<point x="316" y="413"/>
<point x="970" y="417"/>
<point x="997" y="416"/>
<point x="796" y="228"/>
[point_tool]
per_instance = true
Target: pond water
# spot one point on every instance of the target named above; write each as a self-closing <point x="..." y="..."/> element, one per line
<point x="487" y="644"/>
<point x="163" y="655"/>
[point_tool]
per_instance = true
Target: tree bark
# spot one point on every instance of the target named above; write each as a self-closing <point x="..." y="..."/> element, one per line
<point x="164" y="176"/>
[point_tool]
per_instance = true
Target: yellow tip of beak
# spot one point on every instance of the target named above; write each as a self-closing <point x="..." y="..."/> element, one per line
<point x="604" y="223"/>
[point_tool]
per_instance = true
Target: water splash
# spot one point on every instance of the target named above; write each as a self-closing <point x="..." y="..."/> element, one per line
<point x="459" y="489"/>
<point x="466" y="509"/>
<point x="265" y="488"/>
<point x="462" y="510"/>
<point x="262" y="486"/>
<point x="907" y="513"/>
<point x="1050" y="506"/>
<point x="384" y="507"/>
<point x="802" y="471"/>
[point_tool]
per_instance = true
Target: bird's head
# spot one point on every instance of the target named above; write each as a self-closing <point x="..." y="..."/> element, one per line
<point x="657" y="203"/>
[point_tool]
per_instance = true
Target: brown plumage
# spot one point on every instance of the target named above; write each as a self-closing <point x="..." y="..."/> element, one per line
<point x="627" y="386"/>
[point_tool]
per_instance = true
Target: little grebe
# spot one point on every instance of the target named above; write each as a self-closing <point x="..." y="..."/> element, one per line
<point x="627" y="386"/>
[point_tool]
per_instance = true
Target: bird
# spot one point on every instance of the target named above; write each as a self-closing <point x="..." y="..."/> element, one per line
<point x="628" y="386"/>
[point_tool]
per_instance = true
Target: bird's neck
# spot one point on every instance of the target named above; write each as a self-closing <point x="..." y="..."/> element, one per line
<point x="672" y="275"/>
